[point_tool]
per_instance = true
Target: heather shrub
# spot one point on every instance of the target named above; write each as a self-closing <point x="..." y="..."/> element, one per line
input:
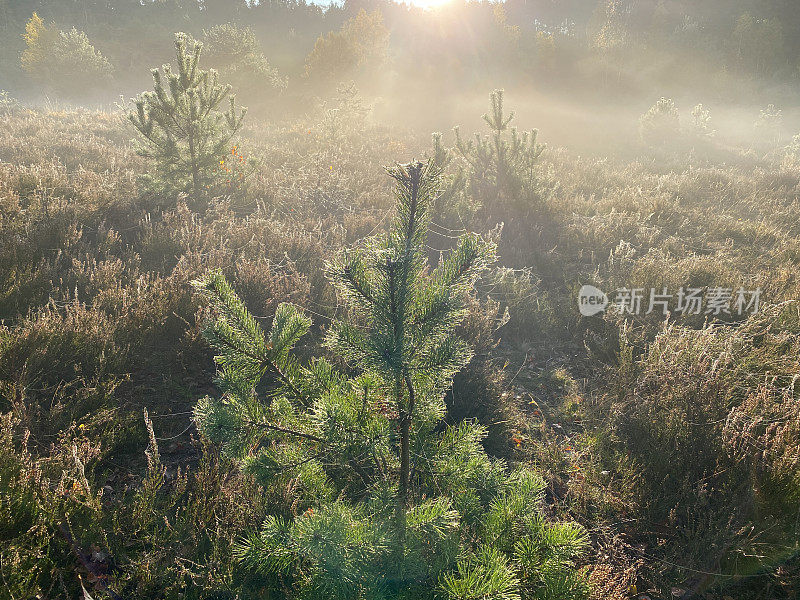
<point x="477" y="392"/>
<point x="763" y="431"/>
<point x="165" y="531"/>
<point x="679" y="409"/>
<point x="60" y="368"/>
<point x="528" y="303"/>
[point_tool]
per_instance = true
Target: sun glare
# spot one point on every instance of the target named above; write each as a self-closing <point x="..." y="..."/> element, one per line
<point x="430" y="4"/>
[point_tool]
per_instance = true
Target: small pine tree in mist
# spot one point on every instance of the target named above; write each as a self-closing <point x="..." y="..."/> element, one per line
<point x="181" y="125"/>
<point x="770" y="124"/>
<point x="373" y="496"/>
<point x="661" y="123"/>
<point x="502" y="162"/>
<point x="701" y="122"/>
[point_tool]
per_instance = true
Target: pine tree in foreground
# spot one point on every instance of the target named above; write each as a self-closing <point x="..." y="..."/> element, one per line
<point x="376" y="498"/>
<point x="180" y="123"/>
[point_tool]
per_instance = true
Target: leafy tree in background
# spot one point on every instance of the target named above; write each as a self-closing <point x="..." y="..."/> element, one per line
<point x="65" y="62"/>
<point x="181" y="125"/>
<point x="218" y="11"/>
<point x="505" y="39"/>
<point x="361" y="43"/>
<point x="758" y="44"/>
<point x="612" y="36"/>
<point x="237" y="55"/>
<point x="374" y="498"/>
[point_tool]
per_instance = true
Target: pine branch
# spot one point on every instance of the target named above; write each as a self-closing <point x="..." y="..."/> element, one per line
<point x="286" y="430"/>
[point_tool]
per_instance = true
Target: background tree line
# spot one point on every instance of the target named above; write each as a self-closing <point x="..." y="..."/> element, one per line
<point x="620" y="47"/>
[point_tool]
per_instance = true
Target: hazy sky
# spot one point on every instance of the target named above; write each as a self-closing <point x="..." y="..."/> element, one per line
<point x="422" y="3"/>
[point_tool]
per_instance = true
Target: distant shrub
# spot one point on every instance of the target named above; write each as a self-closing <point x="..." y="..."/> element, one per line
<point x="237" y="55"/>
<point x="7" y="102"/>
<point x="660" y="123"/>
<point x="758" y="44"/>
<point x="63" y="61"/>
<point x="361" y="44"/>
<point x="345" y="114"/>
<point x="791" y="156"/>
